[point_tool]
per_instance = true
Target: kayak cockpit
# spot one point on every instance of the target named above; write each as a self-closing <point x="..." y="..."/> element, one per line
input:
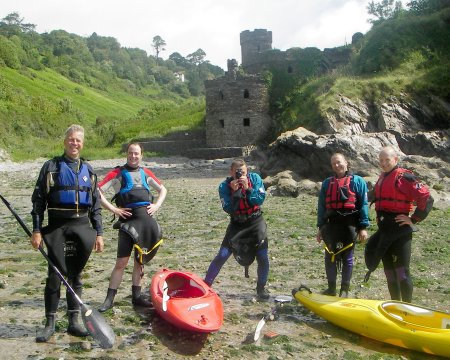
<point x="181" y="286"/>
<point x="416" y="316"/>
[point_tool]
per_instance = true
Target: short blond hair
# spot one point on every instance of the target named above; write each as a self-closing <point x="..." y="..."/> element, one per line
<point x="72" y="129"/>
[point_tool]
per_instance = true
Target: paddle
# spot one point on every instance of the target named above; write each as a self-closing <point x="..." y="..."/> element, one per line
<point x="279" y="301"/>
<point x="95" y="323"/>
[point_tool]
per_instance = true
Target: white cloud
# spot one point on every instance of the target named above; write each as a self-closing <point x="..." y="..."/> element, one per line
<point x="208" y="24"/>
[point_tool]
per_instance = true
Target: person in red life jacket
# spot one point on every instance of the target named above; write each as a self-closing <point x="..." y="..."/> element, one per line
<point x="67" y="189"/>
<point x="137" y="226"/>
<point x="242" y="195"/>
<point x="396" y="191"/>
<point x="342" y="216"/>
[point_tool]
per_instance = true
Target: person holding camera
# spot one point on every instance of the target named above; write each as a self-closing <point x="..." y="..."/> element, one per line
<point x="242" y="194"/>
<point x="342" y="216"/>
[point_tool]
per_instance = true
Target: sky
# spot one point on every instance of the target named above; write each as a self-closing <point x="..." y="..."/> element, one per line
<point x="187" y="25"/>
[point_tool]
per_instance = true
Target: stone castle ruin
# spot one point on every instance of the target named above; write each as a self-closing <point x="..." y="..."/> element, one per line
<point x="237" y="107"/>
<point x="237" y="104"/>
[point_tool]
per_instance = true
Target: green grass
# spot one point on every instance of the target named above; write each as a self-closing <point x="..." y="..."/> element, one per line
<point x="37" y="106"/>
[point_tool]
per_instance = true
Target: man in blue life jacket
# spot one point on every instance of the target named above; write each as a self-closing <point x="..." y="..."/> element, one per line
<point x="242" y="195"/>
<point x="67" y="189"/>
<point x="342" y="216"/>
<point x="137" y="225"/>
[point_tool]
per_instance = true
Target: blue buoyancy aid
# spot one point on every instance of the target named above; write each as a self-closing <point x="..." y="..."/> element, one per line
<point x="134" y="191"/>
<point x="68" y="188"/>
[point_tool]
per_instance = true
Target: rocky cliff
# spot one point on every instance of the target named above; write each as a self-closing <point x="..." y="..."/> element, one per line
<point x="420" y="132"/>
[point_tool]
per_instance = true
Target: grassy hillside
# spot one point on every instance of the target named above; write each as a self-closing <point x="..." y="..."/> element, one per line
<point x="36" y="106"/>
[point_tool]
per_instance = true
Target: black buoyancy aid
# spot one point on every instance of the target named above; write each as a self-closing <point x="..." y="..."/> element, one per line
<point x="134" y="190"/>
<point x="68" y="188"/>
<point x="339" y="195"/>
<point x="387" y="196"/>
<point x="244" y="207"/>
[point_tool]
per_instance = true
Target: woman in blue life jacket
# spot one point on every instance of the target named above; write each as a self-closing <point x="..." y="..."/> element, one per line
<point x="137" y="226"/>
<point x="242" y="195"/>
<point x="67" y="189"/>
<point x="342" y="216"/>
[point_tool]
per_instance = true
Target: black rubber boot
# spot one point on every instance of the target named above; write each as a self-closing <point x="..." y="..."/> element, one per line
<point x="406" y="289"/>
<point x="109" y="300"/>
<point x="394" y="291"/>
<point x="138" y="299"/>
<point x="262" y="293"/>
<point x="74" y="327"/>
<point x="343" y="293"/>
<point x="48" y="330"/>
<point x="331" y="291"/>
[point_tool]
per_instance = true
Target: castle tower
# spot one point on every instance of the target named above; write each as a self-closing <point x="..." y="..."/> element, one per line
<point x="253" y="43"/>
<point x="237" y="109"/>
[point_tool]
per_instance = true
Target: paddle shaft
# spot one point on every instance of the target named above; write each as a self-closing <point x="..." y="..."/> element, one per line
<point x="279" y="301"/>
<point x="50" y="262"/>
<point x="93" y="321"/>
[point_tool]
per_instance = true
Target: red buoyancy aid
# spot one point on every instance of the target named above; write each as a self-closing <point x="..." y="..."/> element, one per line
<point x="339" y="195"/>
<point x="244" y="207"/>
<point x="388" y="197"/>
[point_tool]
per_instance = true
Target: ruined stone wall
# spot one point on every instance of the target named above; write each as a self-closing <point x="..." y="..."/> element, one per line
<point x="253" y="43"/>
<point x="236" y="111"/>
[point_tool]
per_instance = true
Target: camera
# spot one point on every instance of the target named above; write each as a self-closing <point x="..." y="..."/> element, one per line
<point x="239" y="173"/>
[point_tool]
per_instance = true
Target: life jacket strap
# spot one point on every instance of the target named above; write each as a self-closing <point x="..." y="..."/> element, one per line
<point x="334" y="254"/>
<point x="145" y="252"/>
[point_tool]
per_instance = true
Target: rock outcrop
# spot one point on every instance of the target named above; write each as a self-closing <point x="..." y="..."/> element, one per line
<point x="360" y="131"/>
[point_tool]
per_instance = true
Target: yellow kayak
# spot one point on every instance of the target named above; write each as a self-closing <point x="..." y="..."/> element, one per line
<point x="397" y="323"/>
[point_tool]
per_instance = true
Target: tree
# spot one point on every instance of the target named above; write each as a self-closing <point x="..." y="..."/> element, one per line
<point x="427" y="6"/>
<point x="158" y="44"/>
<point x="178" y="59"/>
<point x="383" y="10"/>
<point x="197" y="57"/>
<point x="12" y="24"/>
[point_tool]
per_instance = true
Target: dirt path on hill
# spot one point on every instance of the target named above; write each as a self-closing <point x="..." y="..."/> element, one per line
<point x="194" y="224"/>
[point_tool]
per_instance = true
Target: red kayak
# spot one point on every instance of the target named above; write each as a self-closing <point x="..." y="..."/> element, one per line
<point x="186" y="301"/>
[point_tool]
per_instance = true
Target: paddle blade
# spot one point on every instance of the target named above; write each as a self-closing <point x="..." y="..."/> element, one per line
<point x="259" y="327"/>
<point x="97" y="326"/>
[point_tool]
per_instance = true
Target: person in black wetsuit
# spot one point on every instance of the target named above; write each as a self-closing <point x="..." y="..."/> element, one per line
<point x="137" y="225"/>
<point x="396" y="192"/>
<point x="242" y="195"/>
<point x="67" y="189"/>
<point x="342" y="216"/>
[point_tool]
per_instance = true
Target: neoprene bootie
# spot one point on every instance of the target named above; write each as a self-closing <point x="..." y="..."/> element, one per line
<point x="48" y="330"/>
<point x="74" y="327"/>
<point x="331" y="291"/>
<point x="109" y="300"/>
<point x="137" y="299"/>
<point x="343" y="293"/>
<point x="262" y="293"/>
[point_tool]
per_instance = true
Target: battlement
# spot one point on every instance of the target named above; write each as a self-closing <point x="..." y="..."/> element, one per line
<point x="253" y="43"/>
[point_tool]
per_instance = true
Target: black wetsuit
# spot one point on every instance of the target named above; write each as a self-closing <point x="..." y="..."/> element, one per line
<point x="71" y="231"/>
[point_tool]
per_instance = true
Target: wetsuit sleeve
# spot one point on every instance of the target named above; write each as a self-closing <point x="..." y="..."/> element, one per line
<point x="39" y="197"/>
<point x="361" y="201"/>
<point x="321" y="208"/>
<point x="225" y="196"/>
<point x="257" y="194"/>
<point x="107" y="181"/>
<point x="409" y="185"/>
<point x="95" y="213"/>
